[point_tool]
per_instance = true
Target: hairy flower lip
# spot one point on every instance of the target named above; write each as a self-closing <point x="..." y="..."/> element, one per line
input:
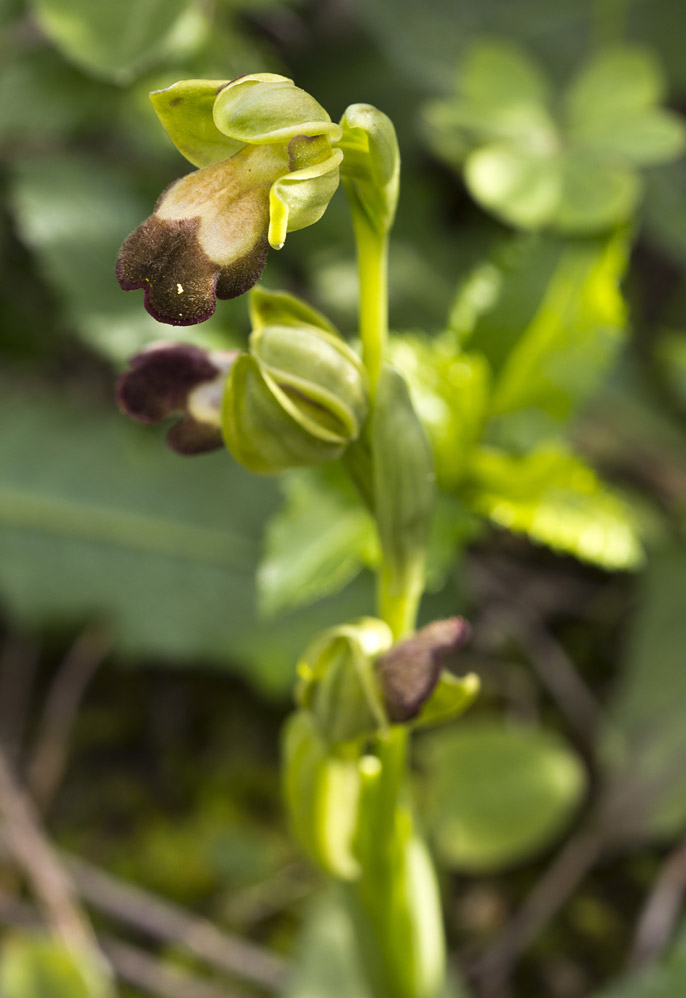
<point x="409" y="671"/>
<point x="162" y="381"/>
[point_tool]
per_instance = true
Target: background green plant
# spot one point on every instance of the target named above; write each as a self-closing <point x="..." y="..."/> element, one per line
<point x="549" y="371"/>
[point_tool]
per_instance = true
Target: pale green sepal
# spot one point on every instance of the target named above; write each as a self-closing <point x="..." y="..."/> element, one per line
<point x="404" y="492"/>
<point x="337" y="682"/>
<point x="371" y="164"/>
<point x="263" y="428"/>
<point x="280" y="308"/>
<point x="322" y="371"/>
<point x="452" y="696"/>
<point x="300" y="198"/>
<point x="322" y="793"/>
<point x="185" y="111"/>
<point x="263" y="109"/>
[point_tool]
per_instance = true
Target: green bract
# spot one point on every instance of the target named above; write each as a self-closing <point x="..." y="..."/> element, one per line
<point x="266" y="167"/>
<point x="299" y="397"/>
<point x="566" y="163"/>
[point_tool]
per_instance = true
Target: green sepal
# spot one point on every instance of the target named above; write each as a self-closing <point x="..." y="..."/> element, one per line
<point x="280" y="308"/>
<point x="266" y="430"/>
<point x="185" y="111"/>
<point x="371" y="165"/>
<point x="321" y="374"/>
<point x="337" y="682"/>
<point x="452" y="696"/>
<point x="403" y="498"/>
<point x="322" y="791"/>
<point x="263" y="109"/>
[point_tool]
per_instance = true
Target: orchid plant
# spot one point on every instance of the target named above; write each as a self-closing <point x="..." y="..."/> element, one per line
<point x="269" y="159"/>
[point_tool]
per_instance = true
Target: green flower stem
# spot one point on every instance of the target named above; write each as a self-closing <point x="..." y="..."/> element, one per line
<point x="397" y="607"/>
<point x="372" y="264"/>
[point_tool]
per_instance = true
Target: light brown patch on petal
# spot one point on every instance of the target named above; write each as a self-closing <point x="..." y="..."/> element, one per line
<point x="206" y="239"/>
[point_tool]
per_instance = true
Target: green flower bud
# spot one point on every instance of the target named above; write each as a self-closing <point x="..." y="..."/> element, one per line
<point x="338" y="682"/>
<point x="371" y="165"/>
<point x="298" y="398"/>
<point x="266" y="167"/>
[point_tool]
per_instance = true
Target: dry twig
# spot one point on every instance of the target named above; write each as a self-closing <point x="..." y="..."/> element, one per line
<point x="165" y="921"/>
<point x="43" y="869"/>
<point x="47" y="765"/>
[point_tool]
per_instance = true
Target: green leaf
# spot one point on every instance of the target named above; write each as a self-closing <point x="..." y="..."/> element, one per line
<point x="111" y="40"/>
<point x="644" y="740"/>
<point x="616" y="83"/>
<point x="450" y="393"/>
<point x="521" y="185"/>
<point x="565" y="350"/>
<point x="557" y="500"/>
<point x="595" y="194"/>
<point x="99" y="520"/>
<point x="498" y="794"/>
<point x="644" y="138"/>
<point x="503" y="82"/>
<point x="318" y="541"/>
<point x="35" y="967"/>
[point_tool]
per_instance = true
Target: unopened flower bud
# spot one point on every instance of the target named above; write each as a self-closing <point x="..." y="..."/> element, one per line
<point x="299" y="397"/>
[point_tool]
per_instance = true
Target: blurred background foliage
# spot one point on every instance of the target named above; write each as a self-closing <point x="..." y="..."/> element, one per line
<point x="152" y="608"/>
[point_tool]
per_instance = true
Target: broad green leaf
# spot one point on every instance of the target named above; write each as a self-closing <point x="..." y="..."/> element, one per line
<point x="498" y="794"/>
<point x="99" y="520"/>
<point x="595" y="194"/>
<point x="616" y="83"/>
<point x="42" y="98"/>
<point x="111" y="40"/>
<point x="645" y="737"/>
<point x="36" y="967"/>
<point x="557" y="500"/>
<point x="318" y="541"/>
<point x="566" y="349"/>
<point x="74" y="213"/>
<point x="496" y="303"/>
<point x="501" y="80"/>
<point x="521" y="185"/>
<point x="651" y="136"/>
